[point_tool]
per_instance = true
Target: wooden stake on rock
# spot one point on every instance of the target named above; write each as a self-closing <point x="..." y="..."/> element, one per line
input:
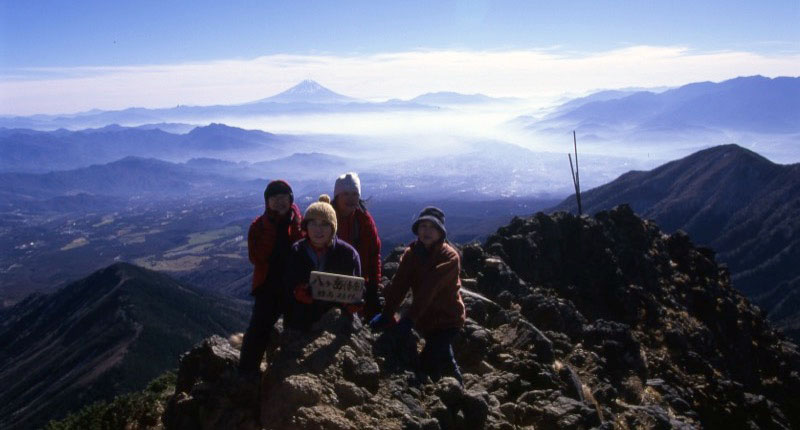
<point x="576" y="179"/>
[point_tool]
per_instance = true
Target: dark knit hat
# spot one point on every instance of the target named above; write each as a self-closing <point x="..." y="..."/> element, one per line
<point x="432" y="214"/>
<point x="278" y="186"/>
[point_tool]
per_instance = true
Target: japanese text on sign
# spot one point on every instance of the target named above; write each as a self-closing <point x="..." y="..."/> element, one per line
<point x="336" y="288"/>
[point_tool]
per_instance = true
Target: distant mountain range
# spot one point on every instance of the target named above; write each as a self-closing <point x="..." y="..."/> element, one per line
<point x="752" y="103"/>
<point x="23" y="150"/>
<point x="126" y="161"/>
<point x="733" y="200"/>
<point x="314" y="165"/>
<point x="306" y="97"/>
<point x="104" y="335"/>
<point x="130" y="176"/>
<point x="599" y="96"/>
<point x="445" y="98"/>
<point x="755" y="112"/>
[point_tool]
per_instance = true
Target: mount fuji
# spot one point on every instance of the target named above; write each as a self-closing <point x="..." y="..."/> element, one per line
<point x="308" y="91"/>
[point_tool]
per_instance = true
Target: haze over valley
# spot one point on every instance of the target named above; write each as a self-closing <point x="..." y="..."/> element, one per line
<point x="174" y="189"/>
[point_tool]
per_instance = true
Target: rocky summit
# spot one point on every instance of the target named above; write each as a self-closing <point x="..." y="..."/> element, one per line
<point x="573" y="323"/>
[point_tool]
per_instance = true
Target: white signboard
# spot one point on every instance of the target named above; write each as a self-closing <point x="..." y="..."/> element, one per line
<point x="336" y="288"/>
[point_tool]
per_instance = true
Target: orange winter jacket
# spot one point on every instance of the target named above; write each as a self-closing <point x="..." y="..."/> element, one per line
<point x="433" y="278"/>
<point x="261" y="247"/>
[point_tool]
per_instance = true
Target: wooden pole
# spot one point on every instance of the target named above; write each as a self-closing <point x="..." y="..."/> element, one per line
<point x="576" y="178"/>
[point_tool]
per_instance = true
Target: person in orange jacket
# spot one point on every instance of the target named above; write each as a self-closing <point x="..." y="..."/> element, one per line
<point x="357" y="227"/>
<point x="268" y="243"/>
<point x="430" y="267"/>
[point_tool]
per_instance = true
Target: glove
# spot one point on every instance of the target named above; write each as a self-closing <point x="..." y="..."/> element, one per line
<point x="372" y="301"/>
<point x="302" y="294"/>
<point x="405" y="325"/>
<point x="354" y="308"/>
<point x="381" y="322"/>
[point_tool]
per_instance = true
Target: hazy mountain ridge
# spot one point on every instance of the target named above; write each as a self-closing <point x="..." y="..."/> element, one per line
<point x="220" y="137"/>
<point x="107" y="334"/>
<point x="602" y="95"/>
<point x="34" y="151"/>
<point x="308" y="165"/>
<point x="729" y="198"/>
<point x="472" y="172"/>
<point x="307" y="97"/>
<point x="443" y="98"/>
<point x="755" y="112"/>
<point x="130" y="176"/>
<point x="752" y="103"/>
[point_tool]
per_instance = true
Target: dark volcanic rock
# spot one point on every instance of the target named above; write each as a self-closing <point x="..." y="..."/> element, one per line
<point x="209" y="393"/>
<point x="655" y="306"/>
<point x="743" y="205"/>
<point x="574" y="323"/>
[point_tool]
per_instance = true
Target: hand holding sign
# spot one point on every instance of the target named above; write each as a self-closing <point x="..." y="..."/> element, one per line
<point x="302" y="294"/>
<point x="336" y="288"/>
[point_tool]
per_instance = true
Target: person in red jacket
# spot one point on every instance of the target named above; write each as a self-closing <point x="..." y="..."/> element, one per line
<point x="357" y="227"/>
<point x="268" y="243"/>
<point x="430" y="267"/>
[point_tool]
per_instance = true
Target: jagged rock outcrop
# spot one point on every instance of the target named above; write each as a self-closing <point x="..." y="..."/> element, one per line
<point x="209" y="393"/>
<point x="663" y="326"/>
<point x="574" y="323"/>
<point x="734" y="200"/>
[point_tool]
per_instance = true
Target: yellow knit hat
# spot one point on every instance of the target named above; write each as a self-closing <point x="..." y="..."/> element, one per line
<point x="321" y="210"/>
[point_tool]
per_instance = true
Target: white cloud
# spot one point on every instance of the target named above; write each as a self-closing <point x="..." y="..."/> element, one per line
<point x="541" y="75"/>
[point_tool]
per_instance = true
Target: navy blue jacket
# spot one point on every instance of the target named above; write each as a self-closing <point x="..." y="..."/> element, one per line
<point x="341" y="259"/>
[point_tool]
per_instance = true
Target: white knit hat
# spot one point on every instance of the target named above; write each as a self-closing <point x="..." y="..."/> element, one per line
<point x="347" y="182"/>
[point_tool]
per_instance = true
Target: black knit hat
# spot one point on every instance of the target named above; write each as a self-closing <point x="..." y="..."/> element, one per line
<point x="276" y="187"/>
<point x="432" y="214"/>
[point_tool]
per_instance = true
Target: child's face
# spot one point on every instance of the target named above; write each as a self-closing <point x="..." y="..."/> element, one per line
<point x="320" y="232"/>
<point x="428" y="233"/>
<point x="279" y="203"/>
<point x="347" y="202"/>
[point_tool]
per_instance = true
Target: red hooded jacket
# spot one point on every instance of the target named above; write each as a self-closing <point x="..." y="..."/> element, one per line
<point x="261" y="241"/>
<point x="360" y="232"/>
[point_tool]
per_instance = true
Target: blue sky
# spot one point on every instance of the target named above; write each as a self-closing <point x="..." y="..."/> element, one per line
<point x="52" y="45"/>
<point x="75" y="33"/>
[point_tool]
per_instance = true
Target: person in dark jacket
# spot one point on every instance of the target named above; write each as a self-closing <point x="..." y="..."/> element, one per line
<point x="268" y="243"/>
<point x="320" y="251"/>
<point x="430" y="268"/>
<point x="357" y="227"/>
